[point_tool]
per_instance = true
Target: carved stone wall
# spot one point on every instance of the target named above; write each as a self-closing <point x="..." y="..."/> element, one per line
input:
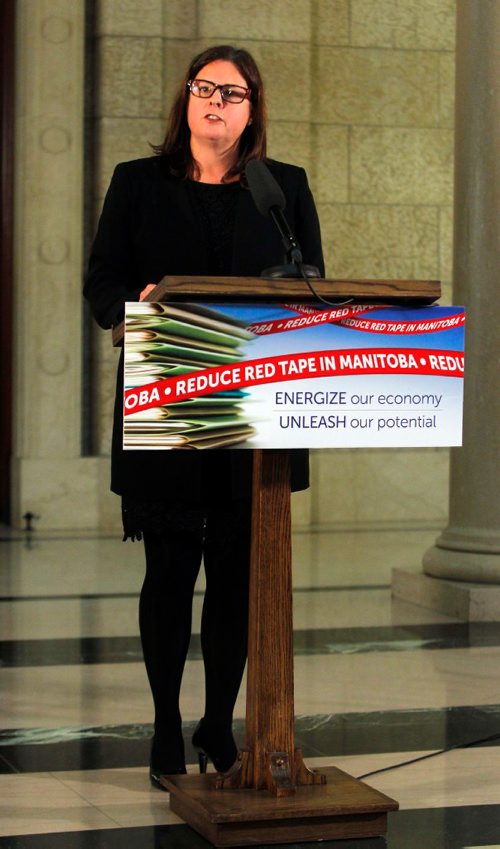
<point x="359" y="92"/>
<point x="50" y="478"/>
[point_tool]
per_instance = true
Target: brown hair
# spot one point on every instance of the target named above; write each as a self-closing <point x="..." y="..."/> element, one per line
<point x="176" y="144"/>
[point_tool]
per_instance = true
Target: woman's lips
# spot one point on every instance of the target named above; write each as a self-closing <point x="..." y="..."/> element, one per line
<point x="213" y="118"/>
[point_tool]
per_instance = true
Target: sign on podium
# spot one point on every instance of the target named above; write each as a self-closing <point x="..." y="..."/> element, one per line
<point x="257" y="375"/>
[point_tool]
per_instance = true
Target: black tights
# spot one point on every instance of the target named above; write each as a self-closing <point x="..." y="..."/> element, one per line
<point x="173" y="559"/>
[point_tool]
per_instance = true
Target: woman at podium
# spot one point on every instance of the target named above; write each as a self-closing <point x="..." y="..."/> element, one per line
<point x="187" y="211"/>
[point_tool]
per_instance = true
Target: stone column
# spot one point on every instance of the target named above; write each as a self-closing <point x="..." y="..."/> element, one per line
<point x="469" y="548"/>
<point x="50" y="477"/>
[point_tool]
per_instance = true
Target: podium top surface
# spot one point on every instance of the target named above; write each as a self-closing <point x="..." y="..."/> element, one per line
<point x="251" y="288"/>
<point x="182" y="288"/>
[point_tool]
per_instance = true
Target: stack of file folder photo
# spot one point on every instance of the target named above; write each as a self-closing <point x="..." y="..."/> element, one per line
<point x="166" y="340"/>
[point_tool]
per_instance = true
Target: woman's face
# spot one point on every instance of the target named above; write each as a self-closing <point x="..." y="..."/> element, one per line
<point x="213" y="120"/>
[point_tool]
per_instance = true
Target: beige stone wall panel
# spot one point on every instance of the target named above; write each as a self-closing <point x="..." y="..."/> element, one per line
<point x="131" y="72"/>
<point x="48" y="233"/>
<point x="375" y="487"/>
<point x="122" y="139"/>
<point x="226" y="21"/>
<point x="180" y="18"/>
<point x="412" y="24"/>
<point x="177" y="56"/>
<point x="332" y="472"/>
<point x="109" y="509"/>
<point x="447" y="294"/>
<point x="380" y="242"/>
<point x="436" y="24"/>
<point x="103" y="390"/>
<point x="408" y="165"/>
<point x="377" y="87"/>
<point x="446" y="251"/>
<point x="330" y="20"/>
<point x="447" y="90"/>
<point x="129" y="17"/>
<point x="301" y="510"/>
<point x="330" y="163"/>
<point x="61" y="491"/>
<point x="290" y="141"/>
<point x="393" y="485"/>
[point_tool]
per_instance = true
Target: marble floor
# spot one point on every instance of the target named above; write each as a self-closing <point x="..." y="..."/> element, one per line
<point x="382" y="687"/>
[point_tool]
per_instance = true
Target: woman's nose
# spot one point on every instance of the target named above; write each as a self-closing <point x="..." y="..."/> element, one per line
<point x="216" y="98"/>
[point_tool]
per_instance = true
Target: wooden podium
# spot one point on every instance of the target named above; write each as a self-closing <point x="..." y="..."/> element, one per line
<point x="273" y="797"/>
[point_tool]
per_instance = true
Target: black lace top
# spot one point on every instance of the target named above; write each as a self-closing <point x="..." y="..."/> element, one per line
<point x="215" y="207"/>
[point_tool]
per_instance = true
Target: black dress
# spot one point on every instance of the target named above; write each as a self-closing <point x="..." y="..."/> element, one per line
<point x="154" y="224"/>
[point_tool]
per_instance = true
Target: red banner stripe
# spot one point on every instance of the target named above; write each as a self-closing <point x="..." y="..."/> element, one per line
<point x="312" y="364"/>
<point x="308" y="317"/>
<point x="356" y="318"/>
<point x="403" y="328"/>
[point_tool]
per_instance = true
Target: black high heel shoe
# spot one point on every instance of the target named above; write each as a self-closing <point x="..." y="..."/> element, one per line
<point x="166" y="760"/>
<point x="215" y="744"/>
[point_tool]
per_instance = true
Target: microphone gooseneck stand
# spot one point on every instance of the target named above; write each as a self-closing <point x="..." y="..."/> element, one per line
<point x="270" y="201"/>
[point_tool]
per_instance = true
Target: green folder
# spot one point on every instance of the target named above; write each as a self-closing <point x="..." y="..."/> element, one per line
<point x="193" y="408"/>
<point x="161" y="328"/>
<point x="179" y="353"/>
<point x="192" y="314"/>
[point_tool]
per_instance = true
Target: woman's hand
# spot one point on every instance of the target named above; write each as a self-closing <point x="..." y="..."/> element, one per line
<point x="145" y="292"/>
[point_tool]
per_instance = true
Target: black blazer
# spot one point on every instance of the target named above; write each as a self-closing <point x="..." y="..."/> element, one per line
<point x="147" y="230"/>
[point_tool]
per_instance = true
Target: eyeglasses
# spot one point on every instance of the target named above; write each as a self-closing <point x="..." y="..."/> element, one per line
<point x="229" y="93"/>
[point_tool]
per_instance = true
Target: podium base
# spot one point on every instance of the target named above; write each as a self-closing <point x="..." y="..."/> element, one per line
<point x="342" y="808"/>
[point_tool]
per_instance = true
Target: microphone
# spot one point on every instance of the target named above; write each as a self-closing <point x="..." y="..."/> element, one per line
<point x="266" y="191"/>
<point x="269" y="199"/>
